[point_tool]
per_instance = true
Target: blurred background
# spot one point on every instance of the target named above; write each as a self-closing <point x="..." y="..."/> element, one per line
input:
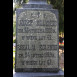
<point x="57" y="4"/>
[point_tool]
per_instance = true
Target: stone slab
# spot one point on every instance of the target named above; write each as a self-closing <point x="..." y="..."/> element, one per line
<point x="54" y="50"/>
<point x="31" y="74"/>
<point x="37" y="40"/>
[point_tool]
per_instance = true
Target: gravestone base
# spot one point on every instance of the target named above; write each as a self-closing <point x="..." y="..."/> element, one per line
<point x="39" y="74"/>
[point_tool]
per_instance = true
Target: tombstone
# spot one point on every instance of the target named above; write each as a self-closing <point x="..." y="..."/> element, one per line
<point x="37" y="37"/>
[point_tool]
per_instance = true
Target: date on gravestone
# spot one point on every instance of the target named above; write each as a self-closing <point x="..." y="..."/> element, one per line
<point x="36" y="40"/>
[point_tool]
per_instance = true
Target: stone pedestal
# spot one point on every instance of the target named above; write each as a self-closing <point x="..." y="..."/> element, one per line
<point x="37" y="38"/>
<point x="31" y="74"/>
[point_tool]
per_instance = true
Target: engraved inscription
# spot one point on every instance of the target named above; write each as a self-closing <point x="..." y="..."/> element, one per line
<point x="37" y="40"/>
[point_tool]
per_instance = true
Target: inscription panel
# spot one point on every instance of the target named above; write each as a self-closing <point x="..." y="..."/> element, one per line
<point x="36" y="39"/>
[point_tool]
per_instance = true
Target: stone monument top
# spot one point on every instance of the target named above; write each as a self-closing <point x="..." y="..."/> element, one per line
<point x="37" y="2"/>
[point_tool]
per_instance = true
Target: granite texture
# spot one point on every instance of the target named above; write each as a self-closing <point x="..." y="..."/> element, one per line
<point x="44" y="18"/>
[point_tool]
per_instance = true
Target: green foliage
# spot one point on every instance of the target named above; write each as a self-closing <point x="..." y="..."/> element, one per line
<point x="13" y="62"/>
<point x="14" y="40"/>
<point x="25" y="1"/>
<point x="59" y="4"/>
<point x="14" y="28"/>
<point x="13" y="57"/>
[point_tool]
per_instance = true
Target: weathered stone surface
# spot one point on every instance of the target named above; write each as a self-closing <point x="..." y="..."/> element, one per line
<point x="37" y="41"/>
